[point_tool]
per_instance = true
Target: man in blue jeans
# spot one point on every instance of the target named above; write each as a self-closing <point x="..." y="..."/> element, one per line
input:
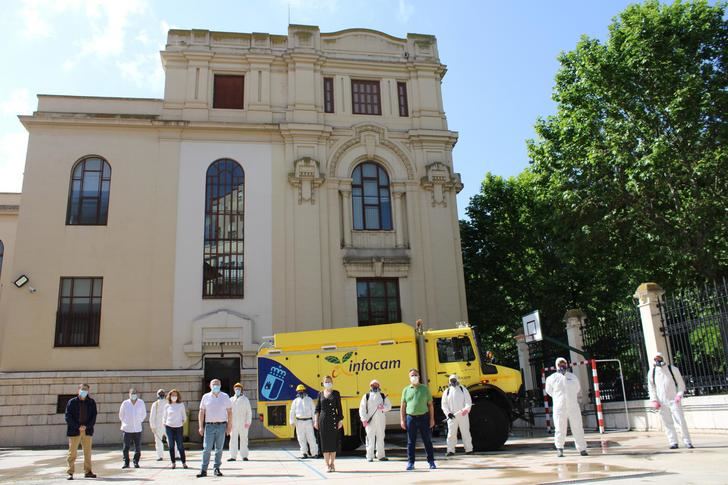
<point x="216" y="412"/>
<point x="417" y="413"/>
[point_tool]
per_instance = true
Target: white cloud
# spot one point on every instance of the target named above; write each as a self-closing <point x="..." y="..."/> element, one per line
<point x="144" y="70"/>
<point x="405" y="10"/>
<point x="18" y="102"/>
<point x="13" y="146"/>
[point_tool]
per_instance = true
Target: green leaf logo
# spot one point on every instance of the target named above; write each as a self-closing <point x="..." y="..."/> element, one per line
<point x="332" y="359"/>
<point x="346" y="357"/>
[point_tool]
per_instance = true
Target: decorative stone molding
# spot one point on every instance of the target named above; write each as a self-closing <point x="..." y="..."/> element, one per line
<point x="307" y="178"/>
<point x="440" y="179"/>
<point x="219" y="328"/>
<point x="376" y="264"/>
<point x="370" y="136"/>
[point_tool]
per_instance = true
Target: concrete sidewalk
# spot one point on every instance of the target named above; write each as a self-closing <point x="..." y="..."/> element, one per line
<point x="629" y="457"/>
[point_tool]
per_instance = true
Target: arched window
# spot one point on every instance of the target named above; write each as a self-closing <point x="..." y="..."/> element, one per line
<point x="88" y="197"/>
<point x="223" y="262"/>
<point x="371" y="202"/>
<point x="2" y="253"/>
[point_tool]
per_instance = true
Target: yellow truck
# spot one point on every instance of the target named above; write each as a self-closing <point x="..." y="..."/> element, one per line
<point x="354" y="356"/>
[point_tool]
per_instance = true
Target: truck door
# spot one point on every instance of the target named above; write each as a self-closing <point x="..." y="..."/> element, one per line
<point x="456" y="355"/>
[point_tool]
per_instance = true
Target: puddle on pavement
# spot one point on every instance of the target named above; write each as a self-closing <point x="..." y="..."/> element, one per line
<point x="573" y="471"/>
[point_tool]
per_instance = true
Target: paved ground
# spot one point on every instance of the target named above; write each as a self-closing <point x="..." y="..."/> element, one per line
<point x="630" y="457"/>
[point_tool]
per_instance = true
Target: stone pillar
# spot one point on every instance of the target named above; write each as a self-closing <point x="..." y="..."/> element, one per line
<point x="397" y="219"/>
<point x="649" y="295"/>
<point x="524" y="361"/>
<point x="346" y="208"/>
<point x="574" y="320"/>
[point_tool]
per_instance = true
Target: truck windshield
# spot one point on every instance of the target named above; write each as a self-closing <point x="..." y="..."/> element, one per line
<point x="454" y="349"/>
<point x="487" y="367"/>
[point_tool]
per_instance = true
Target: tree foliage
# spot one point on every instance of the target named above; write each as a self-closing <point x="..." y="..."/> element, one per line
<point x="628" y="180"/>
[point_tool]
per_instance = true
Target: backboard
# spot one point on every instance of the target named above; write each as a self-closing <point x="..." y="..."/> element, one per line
<point x="532" y="327"/>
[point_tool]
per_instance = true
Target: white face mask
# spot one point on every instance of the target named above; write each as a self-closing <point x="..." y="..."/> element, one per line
<point x="173" y="398"/>
<point x="133" y="397"/>
<point x="328" y="385"/>
<point x="414" y="379"/>
<point x="237" y="392"/>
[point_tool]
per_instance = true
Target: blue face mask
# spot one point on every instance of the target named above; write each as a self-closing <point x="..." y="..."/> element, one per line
<point x="238" y="392"/>
<point x="215" y="389"/>
<point x="83" y="393"/>
<point x="133" y="397"/>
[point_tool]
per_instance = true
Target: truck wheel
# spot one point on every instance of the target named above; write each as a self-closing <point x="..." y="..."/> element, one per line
<point x="488" y="426"/>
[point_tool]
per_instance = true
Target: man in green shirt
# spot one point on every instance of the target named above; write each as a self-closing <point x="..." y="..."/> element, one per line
<point x="417" y="412"/>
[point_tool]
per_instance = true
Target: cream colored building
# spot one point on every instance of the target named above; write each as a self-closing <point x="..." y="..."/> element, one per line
<point x="283" y="183"/>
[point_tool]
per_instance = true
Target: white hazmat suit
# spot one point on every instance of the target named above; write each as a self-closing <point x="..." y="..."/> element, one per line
<point x="372" y="411"/>
<point x="242" y="417"/>
<point x="564" y="390"/>
<point x="456" y="400"/>
<point x="156" y="422"/>
<point x="668" y="392"/>
<point x="301" y="416"/>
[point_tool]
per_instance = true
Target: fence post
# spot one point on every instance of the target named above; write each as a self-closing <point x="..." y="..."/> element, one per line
<point x="649" y="295"/>
<point x="524" y="361"/>
<point x="575" y="320"/>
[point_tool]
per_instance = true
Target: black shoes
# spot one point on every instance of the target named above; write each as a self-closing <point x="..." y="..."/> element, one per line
<point x="218" y="473"/>
<point x="201" y="474"/>
<point x="136" y="465"/>
<point x="560" y="452"/>
<point x="125" y="465"/>
<point x="583" y="453"/>
<point x="690" y="446"/>
<point x="184" y="465"/>
<point x="674" y="447"/>
<point x="231" y="459"/>
<point x="90" y="475"/>
<point x="174" y="465"/>
<point x="160" y="459"/>
<point x="469" y="452"/>
<point x="384" y="458"/>
<point x="449" y="453"/>
<point x="245" y="459"/>
<point x="70" y="477"/>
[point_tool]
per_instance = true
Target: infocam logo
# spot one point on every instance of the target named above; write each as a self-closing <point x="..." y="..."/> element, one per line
<point x="366" y="365"/>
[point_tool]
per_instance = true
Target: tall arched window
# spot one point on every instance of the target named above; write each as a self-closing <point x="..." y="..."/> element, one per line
<point x="223" y="262"/>
<point x="88" y="196"/>
<point x="371" y="202"/>
<point x="2" y="253"/>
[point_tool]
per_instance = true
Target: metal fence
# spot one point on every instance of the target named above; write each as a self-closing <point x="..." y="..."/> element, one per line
<point x="695" y="325"/>
<point x="619" y="337"/>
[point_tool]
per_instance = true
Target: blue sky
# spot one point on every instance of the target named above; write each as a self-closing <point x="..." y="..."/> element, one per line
<point x="501" y="58"/>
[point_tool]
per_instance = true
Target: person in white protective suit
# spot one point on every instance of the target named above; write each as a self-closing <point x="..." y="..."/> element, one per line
<point x="563" y="387"/>
<point x="456" y="403"/>
<point x="242" y="417"/>
<point x="156" y="422"/>
<point x="372" y="413"/>
<point x="301" y="416"/>
<point x="667" y="387"/>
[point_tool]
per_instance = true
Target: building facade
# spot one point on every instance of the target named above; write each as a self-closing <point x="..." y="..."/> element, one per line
<point x="283" y="183"/>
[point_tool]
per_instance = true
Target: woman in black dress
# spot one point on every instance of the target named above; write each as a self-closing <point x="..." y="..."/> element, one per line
<point x="329" y="420"/>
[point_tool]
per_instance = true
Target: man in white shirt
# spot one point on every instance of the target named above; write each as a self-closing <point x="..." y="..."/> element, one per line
<point x="242" y="418"/>
<point x="372" y="412"/>
<point x="456" y="404"/>
<point x="156" y="422"/>
<point x="216" y="415"/>
<point x="132" y="413"/>
<point x="667" y="387"/>
<point x="302" y="411"/>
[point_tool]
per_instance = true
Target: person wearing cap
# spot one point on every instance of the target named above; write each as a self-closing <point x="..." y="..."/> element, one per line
<point x="156" y="422"/>
<point x="564" y="388"/>
<point x="456" y="404"/>
<point x="301" y="416"/>
<point x="242" y="417"/>
<point x="372" y="413"/>
<point x="667" y="387"/>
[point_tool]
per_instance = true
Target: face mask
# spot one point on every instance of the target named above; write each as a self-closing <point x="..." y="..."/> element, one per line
<point x="375" y="389"/>
<point x="562" y="370"/>
<point x="161" y="396"/>
<point x="173" y="398"/>
<point x="300" y="394"/>
<point x="215" y="389"/>
<point x="414" y="379"/>
<point x="237" y="392"/>
<point x="133" y="397"/>
<point x="659" y="363"/>
<point x="328" y="385"/>
<point x="83" y="393"/>
<point x="453" y="383"/>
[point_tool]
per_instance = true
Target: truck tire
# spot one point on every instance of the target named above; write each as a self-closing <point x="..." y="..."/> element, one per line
<point x="489" y="426"/>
